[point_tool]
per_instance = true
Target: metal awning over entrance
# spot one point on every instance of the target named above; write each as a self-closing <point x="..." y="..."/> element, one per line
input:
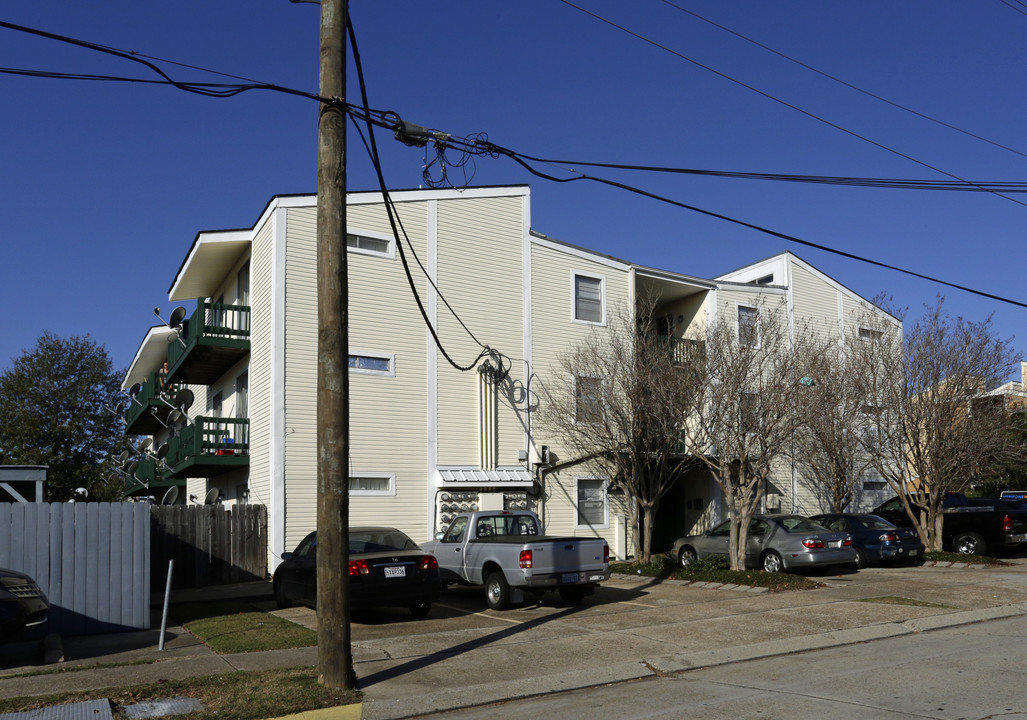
<point x="508" y="477"/>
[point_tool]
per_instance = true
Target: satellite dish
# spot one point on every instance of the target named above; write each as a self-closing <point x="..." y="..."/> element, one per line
<point x="162" y="451"/>
<point x="176" y="416"/>
<point x="177" y="316"/>
<point x="184" y="399"/>
<point x="170" y="496"/>
<point x="144" y="444"/>
<point x="124" y="456"/>
<point x="131" y="468"/>
<point x="134" y="390"/>
<point x="119" y="408"/>
<point x="211" y="497"/>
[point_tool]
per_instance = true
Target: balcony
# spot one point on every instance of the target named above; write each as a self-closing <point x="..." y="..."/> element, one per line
<point x="149" y="479"/>
<point x="209" y="446"/>
<point x="683" y="351"/>
<point x="147" y="412"/>
<point x="215" y="338"/>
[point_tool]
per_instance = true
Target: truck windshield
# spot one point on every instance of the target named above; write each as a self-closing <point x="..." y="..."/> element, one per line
<point x="497" y="525"/>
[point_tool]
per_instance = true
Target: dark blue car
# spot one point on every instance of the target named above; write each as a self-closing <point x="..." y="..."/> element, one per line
<point x="875" y="539"/>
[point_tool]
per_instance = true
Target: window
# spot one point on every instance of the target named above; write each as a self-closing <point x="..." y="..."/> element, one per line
<point x="749" y="412"/>
<point x="591" y="503"/>
<point x="748" y="325"/>
<point x="372" y="364"/>
<point x="365" y="244"/>
<point x="765" y="280"/>
<point x="242" y="285"/>
<point x="588" y="399"/>
<point x="588" y="299"/>
<point x="217" y="400"/>
<point x="242" y="395"/>
<point x="372" y="484"/>
<point x="875" y="485"/>
<point x="866" y="333"/>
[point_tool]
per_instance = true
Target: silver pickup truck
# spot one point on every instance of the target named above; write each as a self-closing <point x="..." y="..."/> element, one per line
<point x="506" y="552"/>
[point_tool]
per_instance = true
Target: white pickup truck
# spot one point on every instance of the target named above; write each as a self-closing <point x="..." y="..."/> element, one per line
<point x="506" y="552"/>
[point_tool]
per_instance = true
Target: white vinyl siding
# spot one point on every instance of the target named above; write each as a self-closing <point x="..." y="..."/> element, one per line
<point x="260" y="405"/>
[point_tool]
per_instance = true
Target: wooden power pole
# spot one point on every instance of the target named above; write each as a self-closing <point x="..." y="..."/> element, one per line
<point x="334" y="658"/>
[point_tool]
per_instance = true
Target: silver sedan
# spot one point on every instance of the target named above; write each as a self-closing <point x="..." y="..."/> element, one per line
<point x="774" y="543"/>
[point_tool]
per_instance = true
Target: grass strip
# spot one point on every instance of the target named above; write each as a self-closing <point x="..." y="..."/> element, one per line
<point x="229" y="696"/>
<point x="235" y="627"/>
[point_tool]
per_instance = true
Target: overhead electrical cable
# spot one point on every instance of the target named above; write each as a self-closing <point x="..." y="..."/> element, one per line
<point x="394" y="223"/>
<point x="778" y="100"/>
<point x="838" y="80"/>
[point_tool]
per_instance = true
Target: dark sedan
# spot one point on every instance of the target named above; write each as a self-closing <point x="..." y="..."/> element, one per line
<point x="874" y="538"/>
<point x="386" y="569"/>
<point x="23" y="606"/>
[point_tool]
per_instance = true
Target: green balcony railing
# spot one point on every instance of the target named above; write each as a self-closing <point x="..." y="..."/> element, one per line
<point x="209" y="446"/>
<point x="150" y="478"/>
<point x="147" y="412"/>
<point x="210" y="342"/>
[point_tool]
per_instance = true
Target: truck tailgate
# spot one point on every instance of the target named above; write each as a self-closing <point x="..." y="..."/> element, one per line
<point x="559" y="555"/>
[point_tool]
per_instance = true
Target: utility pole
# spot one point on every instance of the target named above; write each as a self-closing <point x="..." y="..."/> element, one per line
<point x="334" y="658"/>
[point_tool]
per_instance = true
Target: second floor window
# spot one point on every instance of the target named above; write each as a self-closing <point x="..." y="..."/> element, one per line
<point x="748" y="326"/>
<point x="242" y="395"/>
<point x="588" y="399"/>
<point x="372" y="364"/>
<point x="588" y="299"/>
<point x="369" y="245"/>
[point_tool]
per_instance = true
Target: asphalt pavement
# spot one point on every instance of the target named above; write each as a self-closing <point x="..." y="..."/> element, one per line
<point x="464" y="655"/>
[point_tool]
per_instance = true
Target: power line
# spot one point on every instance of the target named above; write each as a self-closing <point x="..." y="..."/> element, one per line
<point x="843" y="82"/>
<point x="778" y="100"/>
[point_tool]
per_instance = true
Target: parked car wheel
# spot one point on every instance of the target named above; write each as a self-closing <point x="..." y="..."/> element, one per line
<point x="497" y="591"/>
<point x="572" y="595"/>
<point x="280" y="599"/>
<point x="772" y="562"/>
<point x="969" y="543"/>
<point x="686" y="557"/>
<point x="861" y="558"/>
<point x="421" y="610"/>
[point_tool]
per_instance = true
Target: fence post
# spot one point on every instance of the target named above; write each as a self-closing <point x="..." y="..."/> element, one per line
<point x="167" y="600"/>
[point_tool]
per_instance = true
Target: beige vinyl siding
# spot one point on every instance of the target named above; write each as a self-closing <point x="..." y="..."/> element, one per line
<point x="261" y="290"/>
<point x="480" y="273"/>
<point x="388" y="427"/>
<point x="815" y="301"/>
<point x="554" y="333"/>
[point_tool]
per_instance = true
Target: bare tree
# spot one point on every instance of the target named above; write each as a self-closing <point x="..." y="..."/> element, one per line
<point x="930" y="428"/>
<point x="621" y="409"/>
<point x="742" y="406"/>
<point x="829" y="442"/>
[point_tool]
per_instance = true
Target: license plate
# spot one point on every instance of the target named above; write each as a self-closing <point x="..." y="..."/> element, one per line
<point x="912" y="553"/>
<point x="569" y="578"/>
<point x="395" y="571"/>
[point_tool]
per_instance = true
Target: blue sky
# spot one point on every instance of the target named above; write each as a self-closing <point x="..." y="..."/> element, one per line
<point x="105" y="185"/>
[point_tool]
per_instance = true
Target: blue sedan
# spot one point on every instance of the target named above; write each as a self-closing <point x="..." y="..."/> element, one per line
<point x="875" y="539"/>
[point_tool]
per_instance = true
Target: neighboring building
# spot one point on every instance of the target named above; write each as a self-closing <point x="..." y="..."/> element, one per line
<point x="427" y="439"/>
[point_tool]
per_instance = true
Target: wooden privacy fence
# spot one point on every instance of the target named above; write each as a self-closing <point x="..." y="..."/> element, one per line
<point x="91" y="559"/>
<point x="210" y="544"/>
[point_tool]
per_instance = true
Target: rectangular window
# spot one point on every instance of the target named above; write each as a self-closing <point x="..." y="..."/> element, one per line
<point x="866" y="333"/>
<point x="588" y="399"/>
<point x="372" y="484"/>
<point x="242" y="285"/>
<point x="588" y="299"/>
<point x="748" y="326"/>
<point x="217" y="400"/>
<point x="372" y="364"/>
<point x="592" y="511"/>
<point x="242" y="395"/>
<point x="875" y="485"/>
<point x="749" y="412"/>
<point x="370" y="245"/>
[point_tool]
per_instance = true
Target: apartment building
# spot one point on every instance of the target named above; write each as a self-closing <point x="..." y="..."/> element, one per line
<point x="225" y="388"/>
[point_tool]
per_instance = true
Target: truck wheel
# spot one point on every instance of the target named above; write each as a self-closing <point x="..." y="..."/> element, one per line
<point x="968" y="543"/>
<point x="572" y="595"/>
<point x="497" y="591"/>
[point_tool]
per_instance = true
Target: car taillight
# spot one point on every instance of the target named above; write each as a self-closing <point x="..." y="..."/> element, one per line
<point x="813" y="543"/>
<point x="847" y="542"/>
<point x="525" y="559"/>
<point x="606" y="553"/>
<point x="358" y="567"/>
<point x="889" y="537"/>
<point x="428" y="562"/>
<point x="1007" y="523"/>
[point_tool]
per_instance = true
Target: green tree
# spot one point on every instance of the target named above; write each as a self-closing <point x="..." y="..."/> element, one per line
<point x="56" y="410"/>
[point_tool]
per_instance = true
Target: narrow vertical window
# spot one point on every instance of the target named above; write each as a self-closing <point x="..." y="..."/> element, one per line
<point x="590" y="496"/>
<point x="588" y="401"/>
<point x="748" y="326"/>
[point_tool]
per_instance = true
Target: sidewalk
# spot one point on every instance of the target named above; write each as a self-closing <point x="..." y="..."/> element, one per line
<point x="640" y="629"/>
